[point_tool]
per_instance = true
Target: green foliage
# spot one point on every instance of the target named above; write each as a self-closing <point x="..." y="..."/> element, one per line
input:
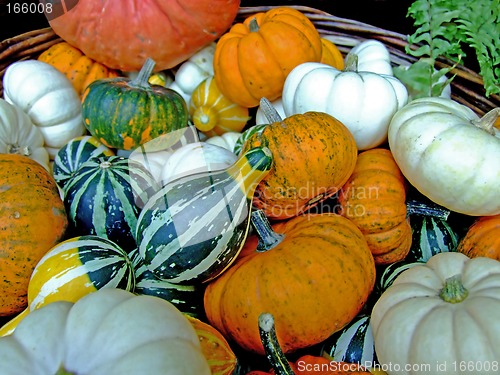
<point x="444" y="28"/>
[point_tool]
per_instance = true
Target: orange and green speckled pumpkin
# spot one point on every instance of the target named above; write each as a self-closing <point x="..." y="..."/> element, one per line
<point x="314" y="155"/>
<point x="482" y="238"/>
<point x="254" y="57"/>
<point x="374" y="198"/>
<point x="124" y="114"/>
<point x="314" y="273"/>
<point x="78" y="68"/>
<point x="32" y="221"/>
<point x="220" y="356"/>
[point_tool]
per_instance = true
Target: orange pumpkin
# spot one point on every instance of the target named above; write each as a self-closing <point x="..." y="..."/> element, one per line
<point x="374" y="198"/>
<point x="314" y="277"/>
<point x="314" y="154"/>
<point x="254" y="57"/>
<point x="78" y="68"/>
<point x="32" y="221"/>
<point x="331" y="55"/>
<point x="482" y="238"/>
<point x="220" y="357"/>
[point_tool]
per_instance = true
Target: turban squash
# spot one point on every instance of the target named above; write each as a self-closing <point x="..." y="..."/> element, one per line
<point x="124" y="33"/>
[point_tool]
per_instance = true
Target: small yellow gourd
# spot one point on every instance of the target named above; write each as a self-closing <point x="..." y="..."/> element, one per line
<point x="214" y="114"/>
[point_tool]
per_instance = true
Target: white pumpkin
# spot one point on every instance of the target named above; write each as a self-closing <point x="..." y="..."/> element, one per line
<point x="108" y="332"/>
<point x="48" y="97"/>
<point x="363" y="101"/>
<point x="449" y="155"/>
<point x="373" y="56"/>
<point x="441" y="318"/>
<point x="18" y="135"/>
<point x="194" y="71"/>
<point x="196" y="158"/>
<point x="226" y="140"/>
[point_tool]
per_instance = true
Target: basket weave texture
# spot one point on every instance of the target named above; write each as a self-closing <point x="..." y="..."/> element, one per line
<point x="467" y="86"/>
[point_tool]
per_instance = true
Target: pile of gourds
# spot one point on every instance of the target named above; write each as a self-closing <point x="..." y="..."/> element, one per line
<point x="162" y="208"/>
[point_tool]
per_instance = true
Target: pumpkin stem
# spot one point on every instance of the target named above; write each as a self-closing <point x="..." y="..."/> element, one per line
<point x="268" y="238"/>
<point x="253" y="25"/>
<point x="269" y="111"/>
<point x="453" y="290"/>
<point x="273" y="350"/>
<point x="487" y="122"/>
<point x="16" y="149"/>
<point x="142" y="79"/>
<point x="63" y="371"/>
<point x="414" y="207"/>
<point x="351" y="63"/>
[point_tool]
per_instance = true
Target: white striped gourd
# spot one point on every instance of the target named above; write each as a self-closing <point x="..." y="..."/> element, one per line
<point x="73" y="154"/>
<point x="74" y="268"/>
<point x="194" y="227"/>
<point x="104" y="197"/>
<point x="353" y="344"/>
<point x="187" y="298"/>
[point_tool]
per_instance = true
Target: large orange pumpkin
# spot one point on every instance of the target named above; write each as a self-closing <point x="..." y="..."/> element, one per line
<point x="374" y="198"/>
<point x="482" y="238"/>
<point x="253" y="58"/>
<point x="32" y="221"/>
<point x="122" y="33"/>
<point x="78" y="68"/>
<point x="314" y="278"/>
<point x="314" y="154"/>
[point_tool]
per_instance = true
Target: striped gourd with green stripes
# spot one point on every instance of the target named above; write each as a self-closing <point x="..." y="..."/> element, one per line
<point x="104" y="197"/>
<point x="74" y="268"/>
<point x="194" y="227"/>
<point x="353" y="344"/>
<point x="187" y="298"/>
<point x="73" y="154"/>
<point x="387" y="274"/>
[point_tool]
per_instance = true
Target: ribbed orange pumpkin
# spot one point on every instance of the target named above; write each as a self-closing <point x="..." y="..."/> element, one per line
<point x="482" y="238"/>
<point x="32" y="221"/>
<point x="314" y="154"/>
<point x="220" y="357"/>
<point x="78" y="68"/>
<point x="253" y="58"/>
<point x="123" y="33"/>
<point x="374" y="198"/>
<point x="331" y="55"/>
<point x="314" y="278"/>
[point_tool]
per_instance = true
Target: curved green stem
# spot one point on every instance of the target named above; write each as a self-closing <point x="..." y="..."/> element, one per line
<point x="273" y="350"/>
<point x="141" y="81"/>
<point x="453" y="290"/>
<point x="487" y="122"/>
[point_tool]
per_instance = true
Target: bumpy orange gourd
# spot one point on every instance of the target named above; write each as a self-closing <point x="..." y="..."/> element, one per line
<point x="32" y="221"/>
<point x="314" y="154"/>
<point x="314" y="280"/>
<point x="220" y="356"/>
<point x="482" y="238"/>
<point x="331" y="55"/>
<point x="374" y="198"/>
<point x="254" y="57"/>
<point x="78" y="68"/>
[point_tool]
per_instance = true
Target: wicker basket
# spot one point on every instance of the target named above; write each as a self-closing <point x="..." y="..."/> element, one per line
<point x="467" y="87"/>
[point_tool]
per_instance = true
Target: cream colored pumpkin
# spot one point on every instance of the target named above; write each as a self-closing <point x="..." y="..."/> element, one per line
<point x="108" y="332"/>
<point x="363" y="101"/>
<point x="441" y="318"/>
<point x="48" y="97"/>
<point x="373" y="56"/>
<point x="448" y="154"/>
<point x="18" y="135"/>
<point x="226" y="140"/>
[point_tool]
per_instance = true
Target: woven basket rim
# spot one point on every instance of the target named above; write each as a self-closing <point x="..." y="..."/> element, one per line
<point x="467" y="86"/>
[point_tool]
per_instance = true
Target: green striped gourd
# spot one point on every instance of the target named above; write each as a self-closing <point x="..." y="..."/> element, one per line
<point x="431" y="235"/>
<point x="73" y="154"/>
<point x="240" y="142"/>
<point x="353" y="344"/>
<point x="74" y="268"/>
<point x="194" y="227"/>
<point x="187" y="298"/>
<point x="104" y="198"/>
<point x="387" y="274"/>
